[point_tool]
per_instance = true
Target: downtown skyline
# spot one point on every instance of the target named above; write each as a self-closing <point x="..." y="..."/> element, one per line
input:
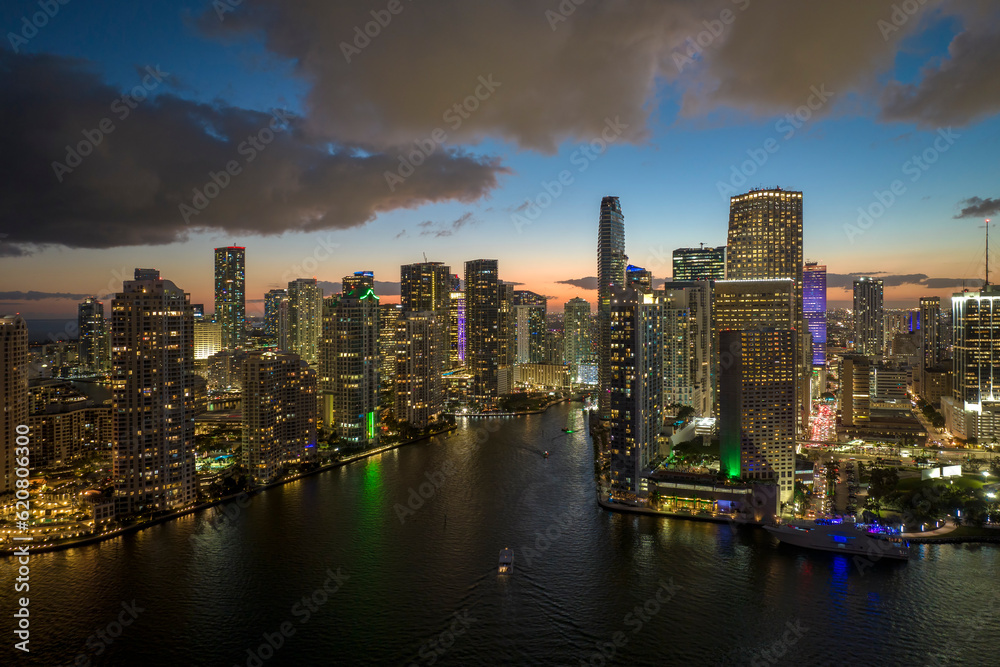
<point x="672" y="157"/>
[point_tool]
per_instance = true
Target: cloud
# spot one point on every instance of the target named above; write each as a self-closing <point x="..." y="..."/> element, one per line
<point x="589" y="283"/>
<point x="846" y="280"/>
<point x="38" y="296"/>
<point x="977" y="207"/>
<point x="446" y="229"/>
<point x="128" y="191"/>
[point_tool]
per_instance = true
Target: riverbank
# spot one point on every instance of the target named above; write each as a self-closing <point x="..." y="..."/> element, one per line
<point x="487" y="415"/>
<point x="119" y="532"/>
<point x="715" y="518"/>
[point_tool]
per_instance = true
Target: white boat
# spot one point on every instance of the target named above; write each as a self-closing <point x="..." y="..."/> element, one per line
<point x="847" y="538"/>
<point x="506" y="561"/>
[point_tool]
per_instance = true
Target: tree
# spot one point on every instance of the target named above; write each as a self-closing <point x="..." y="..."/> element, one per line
<point x="883" y="482"/>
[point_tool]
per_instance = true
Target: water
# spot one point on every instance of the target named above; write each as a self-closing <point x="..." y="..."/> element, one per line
<point x="210" y="589"/>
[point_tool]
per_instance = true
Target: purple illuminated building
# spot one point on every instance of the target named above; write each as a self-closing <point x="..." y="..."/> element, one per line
<point x="814" y="309"/>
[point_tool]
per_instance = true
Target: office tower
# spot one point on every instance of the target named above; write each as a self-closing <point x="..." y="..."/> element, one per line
<point x="152" y="394"/>
<point x="207" y="338"/>
<point x="699" y="264"/>
<point x="529" y="327"/>
<point x="349" y="366"/>
<point x="419" y="395"/>
<point x="360" y="282"/>
<point x="305" y="311"/>
<point x="483" y="329"/>
<point x="93" y="354"/>
<point x="976" y="321"/>
<point x="426" y="287"/>
<point x="897" y="322"/>
<point x="930" y="316"/>
<point x="639" y="278"/>
<point x="13" y="395"/>
<point x="456" y="329"/>
<point x="814" y="309"/>
<point x="855" y="389"/>
<point x="388" y="315"/>
<point x="506" y="326"/>
<point x="754" y="304"/>
<point x="758" y="385"/>
<point x="576" y="335"/>
<point x="230" y="295"/>
<point x="868" y="317"/>
<point x="279" y="412"/>
<point x="277" y="319"/>
<point x="636" y="389"/>
<point x="611" y="261"/>
<point x="687" y="346"/>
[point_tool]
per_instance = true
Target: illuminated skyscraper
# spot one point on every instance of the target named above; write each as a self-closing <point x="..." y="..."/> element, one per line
<point x="529" y="327"/>
<point x="576" y="339"/>
<point x="758" y="379"/>
<point x="930" y="317"/>
<point x="279" y="412"/>
<point x="94" y="354"/>
<point x="687" y="346"/>
<point x="153" y="402"/>
<point x="419" y="392"/>
<point x="359" y="282"/>
<point x="814" y="309"/>
<point x="698" y="264"/>
<point x="305" y="310"/>
<point x="636" y="389"/>
<point x="230" y="295"/>
<point x="207" y="338"/>
<point x="426" y="287"/>
<point x="611" y="261"/>
<point x="276" y="319"/>
<point x="639" y="278"/>
<point x="388" y="315"/>
<point x="13" y="396"/>
<point x="456" y="329"/>
<point x="483" y="329"/>
<point x="349" y="366"/>
<point x="754" y="304"/>
<point x="869" y="317"/>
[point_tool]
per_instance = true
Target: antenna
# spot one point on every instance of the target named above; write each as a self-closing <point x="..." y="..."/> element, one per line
<point x="425" y="258"/>
<point x="987" y="253"/>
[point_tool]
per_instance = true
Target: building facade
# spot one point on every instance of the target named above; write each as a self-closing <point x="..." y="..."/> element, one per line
<point x="699" y="264"/>
<point x="869" y="317"/>
<point x="13" y="395"/>
<point x="484" y="329"/>
<point x="419" y="385"/>
<point x="305" y="314"/>
<point x="230" y="295"/>
<point x="611" y="262"/>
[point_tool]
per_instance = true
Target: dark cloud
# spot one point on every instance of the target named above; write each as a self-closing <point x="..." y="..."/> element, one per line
<point x="38" y="296"/>
<point x="589" y="282"/>
<point x="977" y="207"/>
<point x="128" y="191"/>
<point x="445" y="229"/>
<point x="846" y="280"/>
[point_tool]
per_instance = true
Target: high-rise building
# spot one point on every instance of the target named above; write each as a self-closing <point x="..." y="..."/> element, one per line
<point x="483" y="329"/>
<point x="419" y="389"/>
<point x="814" y="309"/>
<point x="13" y="396"/>
<point x="305" y="314"/>
<point x="636" y="389"/>
<point x="699" y="264"/>
<point x="207" y="338"/>
<point x="349" y="366"/>
<point x="153" y="402"/>
<point x="456" y="329"/>
<point x="359" y="282"/>
<point x="758" y="385"/>
<point x="754" y="304"/>
<point x="611" y="261"/>
<point x="976" y="365"/>
<point x="529" y="327"/>
<point x="426" y="287"/>
<point x="687" y="346"/>
<point x="276" y="319"/>
<point x="388" y="315"/>
<point x="930" y="317"/>
<point x="230" y="295"/>
<point x="639" y="278"/>
<point x="93" y="354"/>
<point x="279" y="412"/>
<point x="576" y="338"/>
<point x="869" y="323"/>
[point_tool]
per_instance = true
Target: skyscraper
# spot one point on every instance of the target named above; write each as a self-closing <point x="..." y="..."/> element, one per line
<point x="611" y="261"/>
<point x="276" y="319"/>
<point x="359" y="282"/>
<point x="419" y="392"/>
<point x="930" y="316"/>
<point x="529" y="327"/>
<point x="456" y="329"/>
<point x="305" y="311"/>
<point x="698" y="264"/>
<point x="426" y="287"/>
<point x="207" y="338"/>
<point x="576" y="338"/>
<point x="687" y="346"/>
<point x="153" y="402"/>
<point x="230" y="295"/>
<point x="869" y="315"/>
<point x="758" y="380"/>
<point x="349" y="366"/>
<point x="388" y="315"/>
<point x="94" y="355"/>
<point x="636" y="389"/>
<point x="483" y="329"/>
<point x="13" y="395"/>
<point x="279" y="412"/>
<point x="754" y="304"/>
<point x="814" y="309"/>
<point x="639" y="278"/>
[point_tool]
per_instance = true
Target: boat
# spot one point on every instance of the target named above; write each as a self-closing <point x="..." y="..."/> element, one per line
<point x="506" y="561"/>
<point x="838" y="536"/>
<point x="546" y="454"/>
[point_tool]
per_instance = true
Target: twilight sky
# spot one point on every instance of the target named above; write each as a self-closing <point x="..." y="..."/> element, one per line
<point x="145" y="134"/>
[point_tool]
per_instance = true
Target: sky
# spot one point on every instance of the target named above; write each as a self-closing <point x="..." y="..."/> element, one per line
<point x="329" y="138"/>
